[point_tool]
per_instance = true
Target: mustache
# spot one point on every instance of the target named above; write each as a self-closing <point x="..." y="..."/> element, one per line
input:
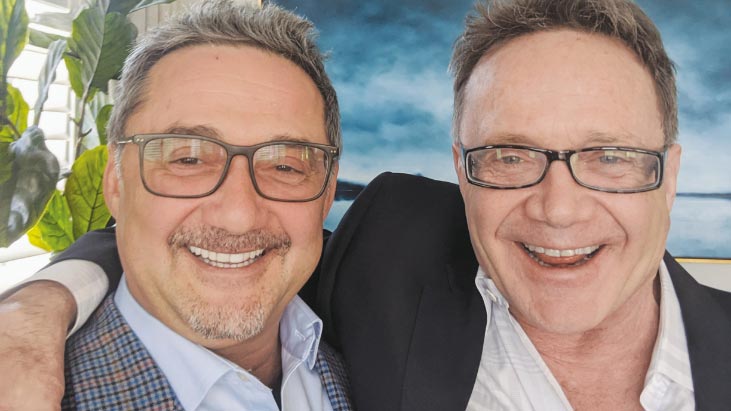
<point x="220" y="240"/>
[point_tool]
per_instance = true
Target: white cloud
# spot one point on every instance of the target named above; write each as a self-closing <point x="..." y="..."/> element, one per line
<point x="706" y="160"/>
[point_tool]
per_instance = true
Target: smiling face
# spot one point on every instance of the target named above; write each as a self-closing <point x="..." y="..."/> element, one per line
<point x="223" y="266"/>
<point x="567" y="258"/>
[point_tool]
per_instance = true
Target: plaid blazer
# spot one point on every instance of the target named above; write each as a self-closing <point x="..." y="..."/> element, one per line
<point x="108" y="368"/>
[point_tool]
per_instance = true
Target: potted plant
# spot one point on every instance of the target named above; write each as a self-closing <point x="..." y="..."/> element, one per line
<point x="101" y="37"/>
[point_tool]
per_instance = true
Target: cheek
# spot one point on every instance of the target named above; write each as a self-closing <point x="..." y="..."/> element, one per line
<point x="647" y="218"/>
<point x="646" y="222"/>
<point x="303" y="224"/>
<point x="305" y="232"/>
<point x="490" y="211"/>
<point x="484" y="216"/>
<point x="146" y="221"/>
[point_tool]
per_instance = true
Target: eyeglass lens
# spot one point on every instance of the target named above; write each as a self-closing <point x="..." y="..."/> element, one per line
<point x="189" y="167"/>
<point x="610" y="169"/>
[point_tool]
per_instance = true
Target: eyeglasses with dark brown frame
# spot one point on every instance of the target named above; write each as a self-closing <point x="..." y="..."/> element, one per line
<point x="187" y="166"/>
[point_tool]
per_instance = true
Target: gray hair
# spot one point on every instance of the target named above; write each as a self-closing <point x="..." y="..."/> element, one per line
<point x="495" y="22"/>
<point x="224" y="22"/>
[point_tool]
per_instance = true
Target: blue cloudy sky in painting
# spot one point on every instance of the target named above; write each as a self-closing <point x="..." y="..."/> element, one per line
<point x="389" y="65"/>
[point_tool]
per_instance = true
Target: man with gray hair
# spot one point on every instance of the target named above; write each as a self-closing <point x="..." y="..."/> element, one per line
<point x="223" y="156"/>
<point x="541" y="282"/>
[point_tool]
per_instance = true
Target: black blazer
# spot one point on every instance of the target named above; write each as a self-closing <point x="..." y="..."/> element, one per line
<point x="396" y="291"/>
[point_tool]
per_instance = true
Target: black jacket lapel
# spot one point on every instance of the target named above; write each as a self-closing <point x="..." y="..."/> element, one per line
<point x="707" y="318"/>
<point x="446" y="346"/>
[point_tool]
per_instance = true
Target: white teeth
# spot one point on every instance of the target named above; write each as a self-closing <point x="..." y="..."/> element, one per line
<point x="553" y="252"/>
<point x="224" y="260"/>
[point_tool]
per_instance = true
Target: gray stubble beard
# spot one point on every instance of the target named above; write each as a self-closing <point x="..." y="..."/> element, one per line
<point x="238" y="322"/>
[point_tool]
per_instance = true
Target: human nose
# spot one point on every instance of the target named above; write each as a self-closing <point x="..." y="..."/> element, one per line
<point x="235" y="205"/>
<point x="559" y="200"/>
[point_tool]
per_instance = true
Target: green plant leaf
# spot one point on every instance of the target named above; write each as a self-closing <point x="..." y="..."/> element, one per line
<point x="16" y="112"/>
<point x="127" y="6"/>
<point x="35" y="238"/>
<point x="84" y="192"/>
<point x="98" y="45"/>
<point x="13" y="36"/>
<point x="6" y="162"/>
<point x="42" y="39"/>
<point x="91" y="112"/>
<point x="33" y="177"/>
<point x="54" y="230"/>
<point x="7" y="185"/>
<point x="14" y="29"/>
<point x="47" y="76"/>
<point x="101" y="123"/>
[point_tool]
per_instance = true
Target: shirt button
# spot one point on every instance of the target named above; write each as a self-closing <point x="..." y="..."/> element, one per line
<point x="243" y="378"/>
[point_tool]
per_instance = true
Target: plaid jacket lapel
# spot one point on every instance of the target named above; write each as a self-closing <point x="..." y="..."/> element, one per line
<point x="108" y="368"/>
<point x="334" y="377"/>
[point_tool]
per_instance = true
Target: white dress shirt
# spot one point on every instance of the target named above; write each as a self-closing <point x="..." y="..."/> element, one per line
<point x="205" y="381"/>
<point x="513" y="376"/>
<point x="85" y="280"/>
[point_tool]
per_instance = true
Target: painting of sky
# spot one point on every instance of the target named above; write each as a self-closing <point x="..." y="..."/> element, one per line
<point x="388" y="61"/>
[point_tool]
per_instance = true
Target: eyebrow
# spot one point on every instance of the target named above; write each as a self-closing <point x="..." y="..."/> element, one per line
<point x="199" y="130"/>
<point x="624" y="138"/>
<point x="595" y="138"/>
<point x="211" y="132"/>
<point x="512" y="138"/>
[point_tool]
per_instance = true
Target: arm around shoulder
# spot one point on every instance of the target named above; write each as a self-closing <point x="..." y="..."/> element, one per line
<point x="34" y="320"/>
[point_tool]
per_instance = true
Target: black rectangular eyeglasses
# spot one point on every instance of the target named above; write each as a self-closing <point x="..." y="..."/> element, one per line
<point x="607" y="169"/>
<point x="186" y="166"/>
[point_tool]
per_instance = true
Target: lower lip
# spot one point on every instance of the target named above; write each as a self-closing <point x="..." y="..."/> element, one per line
<point x="230" y="265"/>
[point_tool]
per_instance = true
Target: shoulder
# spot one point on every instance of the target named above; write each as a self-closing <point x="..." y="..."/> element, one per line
<point x="722" y="298"/>
<point x="397" y="217"/>
<point x="405" y="194"/>
<point x="693" y="295"/>
<point x="105" y="332"/>
<point x="107" y="367"/>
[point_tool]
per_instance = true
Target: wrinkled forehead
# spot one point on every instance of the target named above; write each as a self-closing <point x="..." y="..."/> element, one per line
<point x="560" y="89"/>
<point x="248" y="95"/>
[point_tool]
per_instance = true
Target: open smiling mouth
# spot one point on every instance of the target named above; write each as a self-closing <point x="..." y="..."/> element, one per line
<point x="551" y="257"/>
<point x="224" y="260"/>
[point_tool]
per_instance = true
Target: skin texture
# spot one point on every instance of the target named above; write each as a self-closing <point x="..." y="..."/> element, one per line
<point x="32" y="378"/>
<point x="569" y="90"/>
<point x="243" y="96"/>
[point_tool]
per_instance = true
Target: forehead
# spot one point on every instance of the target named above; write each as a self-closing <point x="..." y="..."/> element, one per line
<point x="561" y="89"/>
<point x="246" y="94"/>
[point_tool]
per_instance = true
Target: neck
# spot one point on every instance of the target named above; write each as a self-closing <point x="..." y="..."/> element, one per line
<point x="605" y="366"/>
<point x="261" y="356"/>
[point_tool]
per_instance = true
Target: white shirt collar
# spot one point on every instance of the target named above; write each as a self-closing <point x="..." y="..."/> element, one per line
<point x="192" y="370"/>
<point x="669" y="367"/>
<point x="670" y="356"/>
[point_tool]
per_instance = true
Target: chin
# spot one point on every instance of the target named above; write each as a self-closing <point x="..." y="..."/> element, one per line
<point x="228" y="321"/>
<point x="561" y="316"/>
